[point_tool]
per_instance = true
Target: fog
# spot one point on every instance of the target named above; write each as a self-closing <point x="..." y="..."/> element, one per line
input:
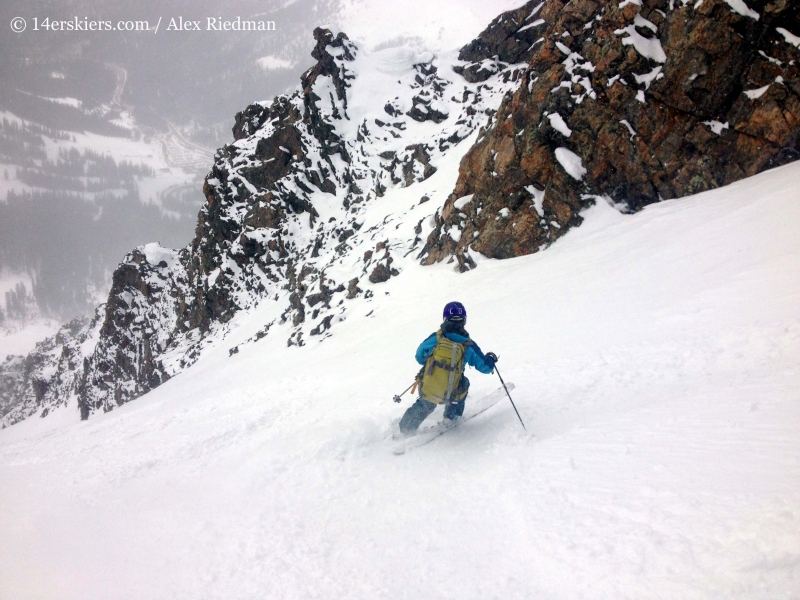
<point x="105" y="136"/>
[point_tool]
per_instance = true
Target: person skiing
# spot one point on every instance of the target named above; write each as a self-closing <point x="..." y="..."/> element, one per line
<point x="442" y="380"/>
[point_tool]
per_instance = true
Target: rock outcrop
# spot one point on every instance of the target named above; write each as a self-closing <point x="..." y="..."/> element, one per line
<point x="48" y="377"/>
<point x="637" y="101"/>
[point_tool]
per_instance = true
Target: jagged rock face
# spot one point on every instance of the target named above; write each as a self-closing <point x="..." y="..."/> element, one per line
<point x="149" y="299"/>
<point x="637" y="103"/>
<point x="507" y="39"/>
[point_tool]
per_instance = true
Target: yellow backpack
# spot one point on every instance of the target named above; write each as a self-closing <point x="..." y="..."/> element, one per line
<point x="443" y="371"/>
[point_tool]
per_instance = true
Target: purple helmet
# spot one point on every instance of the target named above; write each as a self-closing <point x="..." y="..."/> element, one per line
<point x="454" y="311"/>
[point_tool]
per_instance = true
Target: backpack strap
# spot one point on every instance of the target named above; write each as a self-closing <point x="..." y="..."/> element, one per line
<point x="434" y="363"/>
<point x="451" y="379"/>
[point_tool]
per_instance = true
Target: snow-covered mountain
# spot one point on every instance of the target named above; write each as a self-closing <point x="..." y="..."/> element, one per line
<point x="284" y="218"/>
<point x="533" y="105"/>
<point x="656" y="361"/>
<point x="103" y="142"/>
<point x="653" y="345"/>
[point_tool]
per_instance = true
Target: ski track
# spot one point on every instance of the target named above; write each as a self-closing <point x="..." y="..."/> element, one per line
<point x="656" y="359"/>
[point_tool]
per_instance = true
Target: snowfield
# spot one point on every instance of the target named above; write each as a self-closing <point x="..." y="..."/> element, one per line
<point x="656" y="359"/>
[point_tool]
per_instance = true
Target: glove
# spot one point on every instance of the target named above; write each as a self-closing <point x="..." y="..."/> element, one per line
<point x="491" y="357"/>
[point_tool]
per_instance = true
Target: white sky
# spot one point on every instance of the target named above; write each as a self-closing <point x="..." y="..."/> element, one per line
<point x="443" y="24"/>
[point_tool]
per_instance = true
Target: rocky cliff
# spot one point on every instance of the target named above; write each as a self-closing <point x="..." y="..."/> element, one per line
<point x="637" y="101"/>
<point x="553" y="107"/>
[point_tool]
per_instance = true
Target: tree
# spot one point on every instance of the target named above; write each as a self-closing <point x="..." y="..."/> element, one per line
<point x="17" y="301"/>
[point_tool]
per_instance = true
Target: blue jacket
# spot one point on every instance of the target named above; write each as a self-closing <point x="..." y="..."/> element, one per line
<point x="473" y="356"/>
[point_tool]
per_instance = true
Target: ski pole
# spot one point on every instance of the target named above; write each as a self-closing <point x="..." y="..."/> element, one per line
<point x="413" y="386"/>
<point x="397" y="396"/>
<point x="509" y="397"/>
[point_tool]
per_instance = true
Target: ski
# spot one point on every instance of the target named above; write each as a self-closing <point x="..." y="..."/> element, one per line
<point x="432" y="432"/>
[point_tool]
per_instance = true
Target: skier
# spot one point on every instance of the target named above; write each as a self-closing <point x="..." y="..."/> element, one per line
<point x="442" y="379"/>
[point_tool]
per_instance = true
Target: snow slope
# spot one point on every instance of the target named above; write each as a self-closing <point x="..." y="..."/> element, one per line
<point x="656" y="359"/>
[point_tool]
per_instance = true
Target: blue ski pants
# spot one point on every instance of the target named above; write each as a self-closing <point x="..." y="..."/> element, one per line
<point x="420" y="410"/>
